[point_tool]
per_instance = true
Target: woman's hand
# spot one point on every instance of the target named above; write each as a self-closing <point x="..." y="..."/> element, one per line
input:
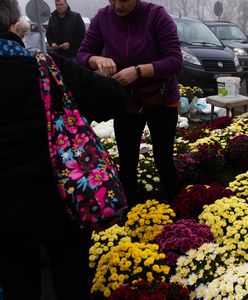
<point x="105" y="66"/>
<point x="54" y="46"/>
<point x="65" y="46"/>
<point x="126" y="76"/>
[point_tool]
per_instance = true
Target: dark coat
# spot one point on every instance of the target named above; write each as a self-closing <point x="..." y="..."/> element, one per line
<point x="30" y="206"/>
<point x="70" y="28"/>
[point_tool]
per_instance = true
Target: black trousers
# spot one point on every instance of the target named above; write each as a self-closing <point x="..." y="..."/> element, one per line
<point x="162" y="122"/>
<point x="20" y="269"/>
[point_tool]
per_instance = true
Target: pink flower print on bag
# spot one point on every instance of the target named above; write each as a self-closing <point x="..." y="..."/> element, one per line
<point x="76" y="172"/>
<point x="80" y="140"/>
<point x="97" y="177"/>
<point x="100" y="196"/>
<point x="62" y="142"/>
<point x="72" y="120"/>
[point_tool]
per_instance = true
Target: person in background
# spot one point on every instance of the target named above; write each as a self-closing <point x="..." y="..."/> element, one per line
<point x="32" y="40"/>
<point x="32" y="215"/>
<point x="21" y="28"/>
<point x="65" y="30"/>
<point x="141" y="50"/>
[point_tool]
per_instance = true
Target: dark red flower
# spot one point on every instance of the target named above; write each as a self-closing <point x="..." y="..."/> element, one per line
<point x="178" y="238"/>
<point x="155" y="290"/>
<point x="189" y="202"/>
<point x="221" y="123"/>
<point x="237" y="149"/>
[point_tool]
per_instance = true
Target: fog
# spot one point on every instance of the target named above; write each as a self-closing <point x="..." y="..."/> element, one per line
<point x="233" y="10"/>
<point x="87" y="8"/>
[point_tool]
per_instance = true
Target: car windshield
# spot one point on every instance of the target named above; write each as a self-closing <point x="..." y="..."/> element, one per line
<point x="228" y="32"/>
<point x="195" y="33"/>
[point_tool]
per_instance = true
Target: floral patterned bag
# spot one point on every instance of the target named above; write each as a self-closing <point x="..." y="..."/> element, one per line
<point x="88" y="182"/>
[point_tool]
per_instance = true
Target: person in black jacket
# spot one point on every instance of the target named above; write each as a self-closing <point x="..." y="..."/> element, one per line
<point x="65" y="30"/>
<point x="32" y="215"/>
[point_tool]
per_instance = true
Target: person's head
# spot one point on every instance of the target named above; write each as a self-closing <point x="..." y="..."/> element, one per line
<point x="20" y="28"/>
<point x="9" y="13"/>
<point x="123" y="7"/>
<point x="61" y="7"/>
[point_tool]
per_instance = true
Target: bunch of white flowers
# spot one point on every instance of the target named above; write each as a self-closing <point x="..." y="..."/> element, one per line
<point x="231" y="285"/>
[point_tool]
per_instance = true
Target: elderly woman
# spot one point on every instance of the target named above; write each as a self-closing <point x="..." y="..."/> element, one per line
<point x="31" y="212"/>
<point x="21" y="27"/>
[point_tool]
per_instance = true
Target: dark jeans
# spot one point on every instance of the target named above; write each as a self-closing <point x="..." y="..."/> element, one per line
<point x="20" y="269"/>
<point x="162" y="122"/>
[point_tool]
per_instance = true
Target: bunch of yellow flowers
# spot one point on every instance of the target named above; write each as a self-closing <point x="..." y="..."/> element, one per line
<point x="128" y="263"/>
<point x="222" y="213"/>
<point x="231" y="285"/>
<point x="200" y="266"/>
<point x="190" y="92"/>
<point x="240" y="186"/>
<point x="240" y="122"/>
<point x="236" y="240"/>
<point x="104" y="241"/>
<point x="147" y="220"/>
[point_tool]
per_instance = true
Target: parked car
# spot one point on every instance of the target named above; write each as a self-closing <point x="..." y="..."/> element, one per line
<point x="205" y="57"/>
<point x="232" y="36"/>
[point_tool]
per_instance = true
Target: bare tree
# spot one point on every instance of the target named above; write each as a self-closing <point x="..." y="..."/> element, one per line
<point x="233" y="10"/>
<point x="242" y="14"/>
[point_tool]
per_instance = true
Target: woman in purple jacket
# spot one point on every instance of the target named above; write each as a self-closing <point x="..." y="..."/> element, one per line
<point x="142" y="52"/>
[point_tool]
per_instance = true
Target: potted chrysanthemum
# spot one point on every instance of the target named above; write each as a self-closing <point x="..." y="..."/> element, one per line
<point x="178" y="238"/>
<point x="222" y="213"/>
<point x="128" y="263"/>
<point x="240" y="186"/>
<point x="237" y="150"/>
<point x="147" y="174"/>
<point x="187" y="168"/>
<point x="190" y="92"/>
<point x="200" y="266"/>
<point x="154" y="290"/>
<point x="145" y="221"/>
<point x="103" y="241"/>
<point x="233" y="284"/>
<point x="190" y="201"/>
<point x="236" y="239"/>
<point x="210" y="157"/>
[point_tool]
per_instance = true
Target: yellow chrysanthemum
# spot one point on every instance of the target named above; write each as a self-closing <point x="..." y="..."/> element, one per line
<point x="145" y="221"/>
<point x="144" y="262"/>
<point x="223" y="213"/>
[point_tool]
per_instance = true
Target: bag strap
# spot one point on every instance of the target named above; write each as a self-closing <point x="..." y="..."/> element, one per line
<point x="48" y="66"/>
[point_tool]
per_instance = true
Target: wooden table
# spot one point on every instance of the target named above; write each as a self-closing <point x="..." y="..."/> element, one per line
<point x="229" y="103"/>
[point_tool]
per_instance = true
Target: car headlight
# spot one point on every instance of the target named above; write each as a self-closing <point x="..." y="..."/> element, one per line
<point x="236" y="60"/>
<point x="239" y="51"/>
<point x="188" y="57"/>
